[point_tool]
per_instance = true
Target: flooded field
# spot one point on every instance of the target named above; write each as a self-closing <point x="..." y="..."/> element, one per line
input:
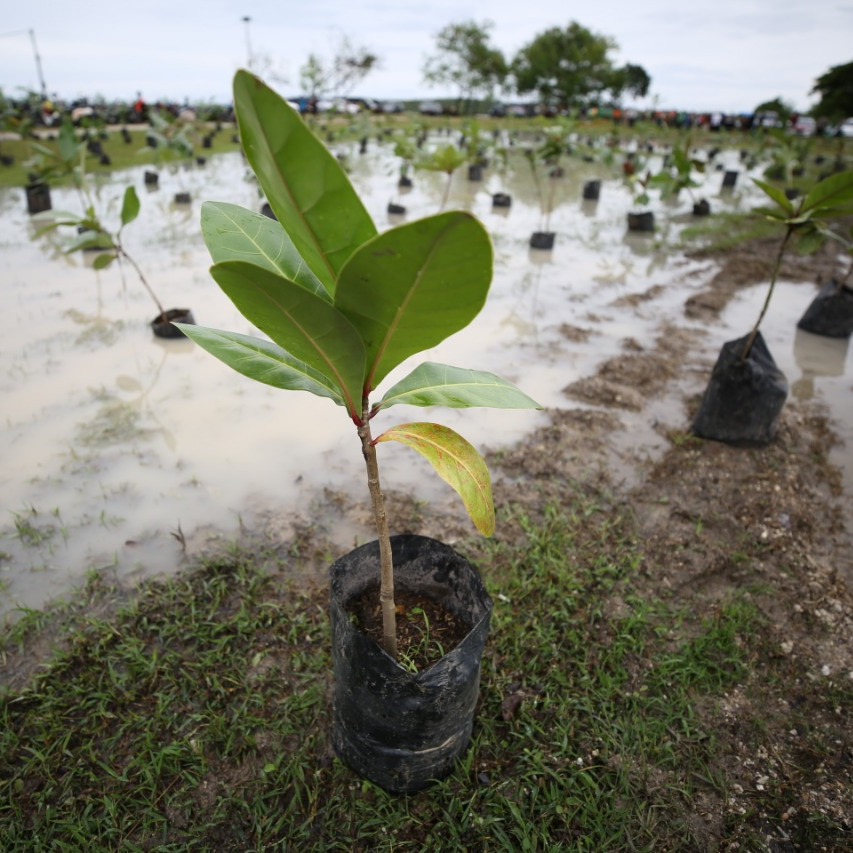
<point x="125" y="453"/>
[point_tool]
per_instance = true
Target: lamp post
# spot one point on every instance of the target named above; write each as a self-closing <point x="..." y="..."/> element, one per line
<point x="247" y="20"/>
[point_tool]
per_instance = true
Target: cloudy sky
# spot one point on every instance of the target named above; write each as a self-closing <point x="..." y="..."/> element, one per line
<point x="724" y="55"/>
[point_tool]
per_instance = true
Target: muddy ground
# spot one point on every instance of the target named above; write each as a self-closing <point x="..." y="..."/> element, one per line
<point x="771" y="522"/>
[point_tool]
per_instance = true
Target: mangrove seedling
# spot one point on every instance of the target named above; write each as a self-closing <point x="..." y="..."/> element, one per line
<point x="806" y="222"/>
<point x="343" y="305"/>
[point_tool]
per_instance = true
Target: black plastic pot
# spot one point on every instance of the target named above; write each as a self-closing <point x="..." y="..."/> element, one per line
<point x="38" y="197"/>
<point x="501" y="200"/>
<point x="475" y="172"/>
<point x="702" y="207"/>
<point x="644" y="221"/>
<point x="542" y="240"/>
<point x="591" y="190"/>
<point x="744" y="397"/>
<point x="151" y="179"/>
<point x="163" y="328"/>
<point x="405" y="182"/>
<point x="729" y="179"/>
<point x="183" y="198"/>
<point x="830" y="313"/>
<point x="402" y="730"/>
<point x="267" y="210"/>
<point x="396" y="209"/>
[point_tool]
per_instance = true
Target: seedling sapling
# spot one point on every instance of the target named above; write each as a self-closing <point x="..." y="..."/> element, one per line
<point x="806" y="223"/>
<point x="344" y="305"/>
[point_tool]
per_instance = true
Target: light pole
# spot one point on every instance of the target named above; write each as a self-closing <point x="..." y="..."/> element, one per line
<point x="247" y="20"/>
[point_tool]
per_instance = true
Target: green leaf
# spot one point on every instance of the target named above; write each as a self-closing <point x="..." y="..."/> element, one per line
<point x="432" y="384"/>
<point x="262" y="361"/>
<point x="300" y="322"/>
<point x="833" y="195"/>
<point x="304" y="184"/>
<point x="89" y="240"/>
<point x="810" y="240"/>
<point x="412" y="286"/>
<point x="776" y="195"/>
<point x="103" y="260"/>
<point x="457" y="462"/>
<point x="68" y="145"/>
<point x="233" y="233"/>
<point x="129" y="206"/>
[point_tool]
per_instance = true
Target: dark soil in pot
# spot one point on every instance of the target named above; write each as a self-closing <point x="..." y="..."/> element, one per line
<point x="397" y="728"/>
<point x="744" y="397"/>
<point x="542" y="240"/>
<point x="163" y="328"/>
<point x="38" y="197"/>
<point x="644" y="221"/>
<point x="830" y="313"/>
<point x="591" y="190"/>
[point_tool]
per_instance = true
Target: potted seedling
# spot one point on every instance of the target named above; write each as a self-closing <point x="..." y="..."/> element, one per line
<point x="91" y="234"/>
<point x="545" y="156"/>
<point x="746" y="391"/>
<point x="342" y="306"/>
<point x="678" y="176"/>
<point x="447" y="159"/>
<point x="640" y="219"/>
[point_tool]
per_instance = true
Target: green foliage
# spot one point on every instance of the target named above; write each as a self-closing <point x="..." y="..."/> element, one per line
<point x="371" y="300"/>
<point x="835" y="87"/>
<point x="565" y="66"/>
<point x="679" y="176"/>
<point x="466" y="60"/>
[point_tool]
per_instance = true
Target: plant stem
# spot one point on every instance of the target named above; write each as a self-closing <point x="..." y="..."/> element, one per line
<point x="776" y="266"/>
<point x="446" y="192"/>
<point x="386" y="568"/>
<point x="122" y="254"/>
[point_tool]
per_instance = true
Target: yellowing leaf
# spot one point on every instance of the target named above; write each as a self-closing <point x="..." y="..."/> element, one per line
<point x="457" y="462"/>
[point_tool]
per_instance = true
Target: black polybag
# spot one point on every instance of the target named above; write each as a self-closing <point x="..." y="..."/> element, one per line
<point x="744" y="397"/>
<point x="830" y="313"/>
<point x="399" y="729"/>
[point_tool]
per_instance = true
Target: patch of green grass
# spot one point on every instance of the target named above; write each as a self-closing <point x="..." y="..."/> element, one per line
<point x="196" y="717"/>
<point x="122" y="154"/>
<point x="727" y="230"/>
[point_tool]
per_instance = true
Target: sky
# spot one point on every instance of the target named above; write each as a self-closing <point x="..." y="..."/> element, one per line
<point x="702" y="55"/>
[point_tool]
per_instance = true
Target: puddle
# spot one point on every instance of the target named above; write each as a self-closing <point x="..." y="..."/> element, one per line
<point x="118" y="445"/>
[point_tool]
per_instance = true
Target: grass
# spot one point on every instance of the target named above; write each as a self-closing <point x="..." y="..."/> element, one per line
<point x="194" y="715"/>
<point x="727" y="230"/>
<point x="122" y="154"/>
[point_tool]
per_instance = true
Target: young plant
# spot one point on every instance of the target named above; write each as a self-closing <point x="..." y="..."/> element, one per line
<point x="807" y="223"/>
<point x="445" y="159"/>
<point x="679" y="176"/>
<point x="344" y="305"/>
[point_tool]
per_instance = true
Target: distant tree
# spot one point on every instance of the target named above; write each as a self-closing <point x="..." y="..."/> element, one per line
<point x="466" y="60"/>
<point x="781" y="107"/>
<point x="632" y="80"/>
<point x="567" y="66"/>
<point x="836" y="92"/>
<point x="348" y="66"/>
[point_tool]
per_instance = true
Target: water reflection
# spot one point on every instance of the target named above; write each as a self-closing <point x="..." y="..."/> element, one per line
<point x="816" y="356"/>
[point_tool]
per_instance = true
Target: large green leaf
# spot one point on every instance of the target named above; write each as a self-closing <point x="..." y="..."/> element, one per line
<point x="432" y="384"/>
<point x="233" y="233"/>
<point x="300" y="322"/>
<point x="263" y="361"/>
<point x="831" y="196"/>
<point x="457" y="462"/>
<point x="304" y="184"/>
<point x="412" y="286"/>
<point x="777" y="195"/>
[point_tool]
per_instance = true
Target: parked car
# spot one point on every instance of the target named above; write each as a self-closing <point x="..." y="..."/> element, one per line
<point x="805" y="126"/>
<point x="846" y="127"/>
<point x="430" y="108"/>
